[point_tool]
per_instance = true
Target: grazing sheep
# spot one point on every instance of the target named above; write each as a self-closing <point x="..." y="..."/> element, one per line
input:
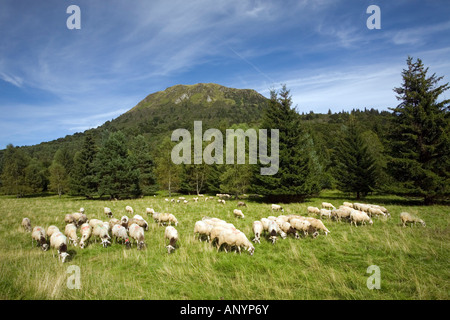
<point x="258" y="229"/>
<point x="71" y="232"/>
<point x="217" y="229"/>
<point x="59" y="242"/>
<point x="327" y="205"/>
<point x="238" y="213"/>
<point x="172" y="235"/>
<point x="276" y="207"/>
<point x="26" y="224"/>
<point x="68" y="218"/>
<point x="167" y="217"/>
<point x="406" y="217"/>
<point x="202" y="228"/>
<point x="313" y="210"/>
<point x="129" y="209"/>
<point x="318" y="225"/>
<point x="79" y="218"/>
<point x="288" y="229"/>
<point x="221" y="201"/>
<point x="359" y="216"/>
<point x="51" y="230"/>
<point x="86" y="232"/>
<point x="101" y="232"/>
<point x="341" y="213"/>
<point x="234" y="238"/>
<point x="38" y="235"/>
<point x="139" y="221"/>
<point x="241" y="204"/>
<point x="108" y="212"/>
<point x="348" y="204"/>
<point x="95" y="222"/>
<point x="273" y="231"/>
<point x="195" y="199"/>
<point x="113" y="222"/>
<point x="137" y="233"/>
<point x="325" y="213"/>
<point x="120" y="232"/>
<point x="301" y="225"/>
<point x="376" y="212"/>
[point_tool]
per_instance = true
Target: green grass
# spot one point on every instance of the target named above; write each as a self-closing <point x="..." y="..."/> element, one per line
<point x="413" y="261"/>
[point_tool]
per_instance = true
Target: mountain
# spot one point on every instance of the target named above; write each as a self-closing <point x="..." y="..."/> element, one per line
<point x="176" y="107"/>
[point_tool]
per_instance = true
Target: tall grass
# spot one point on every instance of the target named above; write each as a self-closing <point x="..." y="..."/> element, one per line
<point x="413" y="261"/>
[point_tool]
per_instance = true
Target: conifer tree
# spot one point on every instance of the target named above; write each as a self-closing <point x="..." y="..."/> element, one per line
<point x="355" y="171"/>
<point x="83" y="180"/>
<point x="420" y="149"/>
<point x="297" y="162"/>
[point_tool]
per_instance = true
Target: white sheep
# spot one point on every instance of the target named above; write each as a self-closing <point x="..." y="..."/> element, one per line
<point x="301" y="225"/>
<point x="51" y="230"/>
<point x="241" y="204"/>
<point x="139" y="221"/>
<point x="376" y="212"/>
<point x="276" y="207"/>
<point x="313" y="210"/>
<point x="108" y="212"/>
<point x="359" y="216"/>
<point x="38" y="235"/>
<point x="113" y="222"/>
<point x="86" y="232"/>
<point x="95" y="222"/>
<point x="327" y="205"/>
<point x="202" y="228"/>
<point x="234" y="238"/>
<point x="406" y="217"/>
<point x="129" y="209"/>
<point x="120" y="232"/>
<point x="238" y="213"/>
<point x="325" y="213"/>
<point x="273" y="231"/>
<point x="342" y="212"/>
<point x="81" y="210"/>
<point x="59" y="242"/>
<point x="221" y="201"/>
<point x="172" y="235"/>
<point x="26" y="224"/>
<point x="137" y="233"/>
<point x="71" y="232"/>
<point x="167" y="217"/>
<point x="258" y="229"/>
<point x="101" y="231"/>
<point x="68" y="218"/>
<point x="318" y="225"/>
<point x="348" y="204"/>
<point x="288" y="229"/>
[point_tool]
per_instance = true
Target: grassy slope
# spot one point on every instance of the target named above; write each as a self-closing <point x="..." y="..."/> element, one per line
<point x="413" y="261"/>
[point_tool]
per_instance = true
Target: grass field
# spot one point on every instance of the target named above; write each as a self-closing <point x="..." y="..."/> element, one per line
<point x="413" y="261"/>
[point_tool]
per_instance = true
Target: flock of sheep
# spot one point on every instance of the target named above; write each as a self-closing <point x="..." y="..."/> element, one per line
<point x="223" y="233"/>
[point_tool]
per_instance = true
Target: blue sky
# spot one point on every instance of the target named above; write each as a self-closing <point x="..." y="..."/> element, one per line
<point x="55" y="81"/>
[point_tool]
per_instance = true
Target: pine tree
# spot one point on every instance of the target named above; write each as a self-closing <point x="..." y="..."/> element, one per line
<point x="83" y="180"/>
<point x="420" y="150"/>
<point x="355" y="171"/>
<point x="297" y="160"/>
<point x="116" y="170"/>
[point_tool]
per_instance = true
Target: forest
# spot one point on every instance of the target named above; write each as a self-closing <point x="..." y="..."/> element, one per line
<point x="404" y="151"/>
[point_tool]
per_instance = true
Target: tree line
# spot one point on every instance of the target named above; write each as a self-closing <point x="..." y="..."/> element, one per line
<point x="405" y="151"/>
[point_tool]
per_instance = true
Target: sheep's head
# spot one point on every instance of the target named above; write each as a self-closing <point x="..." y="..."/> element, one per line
<point x="44" y="247"/>
<point x="422" y="222"/>
<point x="127" y="243"/>
<point x="63" y="256"/>
<point x="251" y="249"/>
<point x="170" y="248"/>
<point x="105" y="242"/>
<point x="141" y="245"/>
<point x="82" y="244"/>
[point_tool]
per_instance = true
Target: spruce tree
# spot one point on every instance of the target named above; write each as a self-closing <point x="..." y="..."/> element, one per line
<point x="13" y="176"/>
<point x="355" y="171"/>
<point x="420" y="149"/>
<point x="83" y="180"/>
<point x="297" y="162"/>
<point x="140" y="153"/>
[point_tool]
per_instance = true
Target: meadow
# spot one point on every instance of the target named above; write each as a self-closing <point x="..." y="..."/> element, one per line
<point x="413" y="261"/>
